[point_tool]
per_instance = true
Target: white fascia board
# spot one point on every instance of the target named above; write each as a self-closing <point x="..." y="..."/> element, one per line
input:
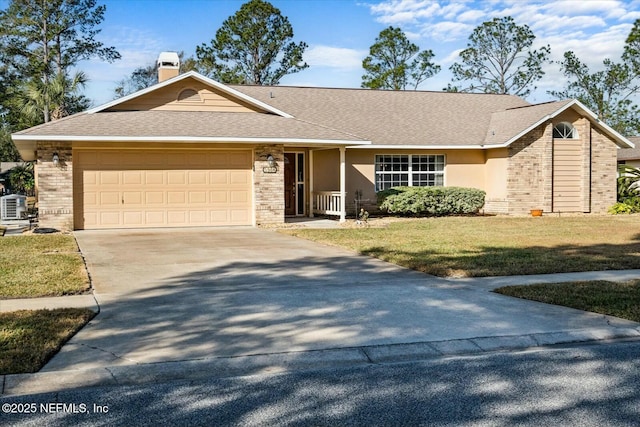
<point x="430" y="147"/>
<point x="201" y="78"/>
<point x="608" y="129"/>
<point x="202" y="139"/>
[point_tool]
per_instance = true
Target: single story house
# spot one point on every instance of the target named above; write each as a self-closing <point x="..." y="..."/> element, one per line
<point x="190" y="151"/>
<point x="630" y="156"/>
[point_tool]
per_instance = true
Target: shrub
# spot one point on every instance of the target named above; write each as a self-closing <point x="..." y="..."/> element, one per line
<point x="628" y="179"/>
<point x="432" y="201"/>
<point x="627" y="205"/>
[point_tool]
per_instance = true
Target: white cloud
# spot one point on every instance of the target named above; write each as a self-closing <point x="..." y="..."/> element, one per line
<point x="334" y="57"/>
<point x="447" y="30"/>
<point x="396" y="12"/>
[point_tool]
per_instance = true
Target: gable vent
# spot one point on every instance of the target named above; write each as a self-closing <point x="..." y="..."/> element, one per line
<point x="189" y="95"/>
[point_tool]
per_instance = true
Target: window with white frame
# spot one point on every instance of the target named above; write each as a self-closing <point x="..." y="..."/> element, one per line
<point x="565" y="130"/>
<point x="409" y="170"/>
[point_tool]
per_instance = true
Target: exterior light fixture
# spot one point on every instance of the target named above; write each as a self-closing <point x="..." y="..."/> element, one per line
<point x="272" y="165"/>
<point x="55" y="159"/>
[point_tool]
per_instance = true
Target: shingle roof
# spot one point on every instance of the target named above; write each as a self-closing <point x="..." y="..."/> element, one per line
<point x="630" y="153"/>
<point x="392" y="117"/>
<point x="506" y="125"/>
<point x="386" y="118"/>
<point x="183" y="124"/>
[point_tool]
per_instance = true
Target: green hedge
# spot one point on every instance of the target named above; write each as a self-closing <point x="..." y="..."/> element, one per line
<point x="432" y="201"/>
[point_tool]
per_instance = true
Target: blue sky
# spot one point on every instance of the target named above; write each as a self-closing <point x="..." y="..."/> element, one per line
<point x="339" y="33"/>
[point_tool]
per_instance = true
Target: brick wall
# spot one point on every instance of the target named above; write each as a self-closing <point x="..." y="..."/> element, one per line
<point x="603" y="172"/>
<point x="55" y="185"/>
<point x="269" y="187"/>
<point x="529" y="174"/>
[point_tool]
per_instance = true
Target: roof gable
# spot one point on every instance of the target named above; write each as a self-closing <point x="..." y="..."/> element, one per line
<point x="509" y="125"/>
<point x="211" y="96"/>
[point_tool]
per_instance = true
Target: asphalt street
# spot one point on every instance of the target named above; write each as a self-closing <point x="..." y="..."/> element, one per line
<point x="594" y="384"/>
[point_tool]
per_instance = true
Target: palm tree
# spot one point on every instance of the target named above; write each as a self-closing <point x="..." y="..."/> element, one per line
<point x="21" y="178"/>
<point x="628" y="182"/>
<point x="50" y="100"/>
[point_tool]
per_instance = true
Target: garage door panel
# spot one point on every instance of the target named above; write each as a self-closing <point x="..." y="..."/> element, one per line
<point x="154" y="178"/>
<point x="198" y="197"/>
<point x="132" y="198"/>
<point x="156" y="188"/>
<point x="176" y="178"/>
<point x="109" y="198"/>
<point x="219" y="217"/>
<point x="91" y="198"/>
<point x="218" y="177"/>
<point x="154" y="197"/>
<point x="238" y="178"/>
<point x="90" y="178"/>
<point x="198" y="217"/>
<point x="239" y="196"/>
<point x="132" y="177"/>
<point x="176" y="218"/>
<point x="176" y="197"/>
<point x="239" y="216"/>
<point x="220" y="196"/>
<point x="132" y="218"/>
<point x="155" y="218"/>
<point x="197" y="178"/>
<point x="109" y="178"/>
<point x="109" y="218"/>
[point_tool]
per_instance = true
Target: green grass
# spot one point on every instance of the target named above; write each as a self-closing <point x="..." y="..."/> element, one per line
<point x="495" y="246"/>
<point x="28" y="339"/>
<point x="41" y="265"/>
<point x="614" y="299"/>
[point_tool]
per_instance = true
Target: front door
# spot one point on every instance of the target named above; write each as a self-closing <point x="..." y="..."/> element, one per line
<point x="290" y="184"/>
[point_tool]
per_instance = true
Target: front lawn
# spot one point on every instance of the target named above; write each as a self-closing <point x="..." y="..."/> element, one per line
<point x="41" y="265"/>
<point x="495" y="246"/>
<point x="614" y="299"/>
<point x="28" y="339"/>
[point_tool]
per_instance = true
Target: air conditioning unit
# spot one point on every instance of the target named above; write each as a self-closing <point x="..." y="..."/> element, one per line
<point x="13" y="206"/>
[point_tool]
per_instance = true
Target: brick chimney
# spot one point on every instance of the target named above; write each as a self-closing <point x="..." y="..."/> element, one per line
<point x="168" y="66"/>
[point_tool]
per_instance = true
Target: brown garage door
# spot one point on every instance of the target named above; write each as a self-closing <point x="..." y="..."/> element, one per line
<point x="162" y="188"/>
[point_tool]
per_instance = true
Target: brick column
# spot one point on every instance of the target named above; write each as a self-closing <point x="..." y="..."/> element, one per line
<point x="55" y="185"/>
<point x="269" y="187"/>
<point x="528" y="173"/>
<point x="603" y="172"/>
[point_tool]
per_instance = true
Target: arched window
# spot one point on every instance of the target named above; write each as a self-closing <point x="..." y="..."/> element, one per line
<point x="565" y="130"/>
<point x="189" y="95"/>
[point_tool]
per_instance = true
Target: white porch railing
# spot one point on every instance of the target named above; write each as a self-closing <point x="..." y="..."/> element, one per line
<point x="326" y="202"/>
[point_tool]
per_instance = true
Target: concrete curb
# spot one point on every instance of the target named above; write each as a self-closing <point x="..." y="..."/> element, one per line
<point x="70" y="301"/>
<point x="225" y="367"/>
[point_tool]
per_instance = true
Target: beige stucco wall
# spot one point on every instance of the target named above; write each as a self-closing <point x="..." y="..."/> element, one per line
<point x="463" y="168"/>
<point x="497" y="162"/>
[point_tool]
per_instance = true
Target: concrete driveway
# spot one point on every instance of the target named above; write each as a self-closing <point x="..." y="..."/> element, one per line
<point x="187" y="294"/>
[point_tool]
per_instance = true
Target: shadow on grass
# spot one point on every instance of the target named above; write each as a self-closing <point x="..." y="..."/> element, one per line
<point x="506" y="261"/>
